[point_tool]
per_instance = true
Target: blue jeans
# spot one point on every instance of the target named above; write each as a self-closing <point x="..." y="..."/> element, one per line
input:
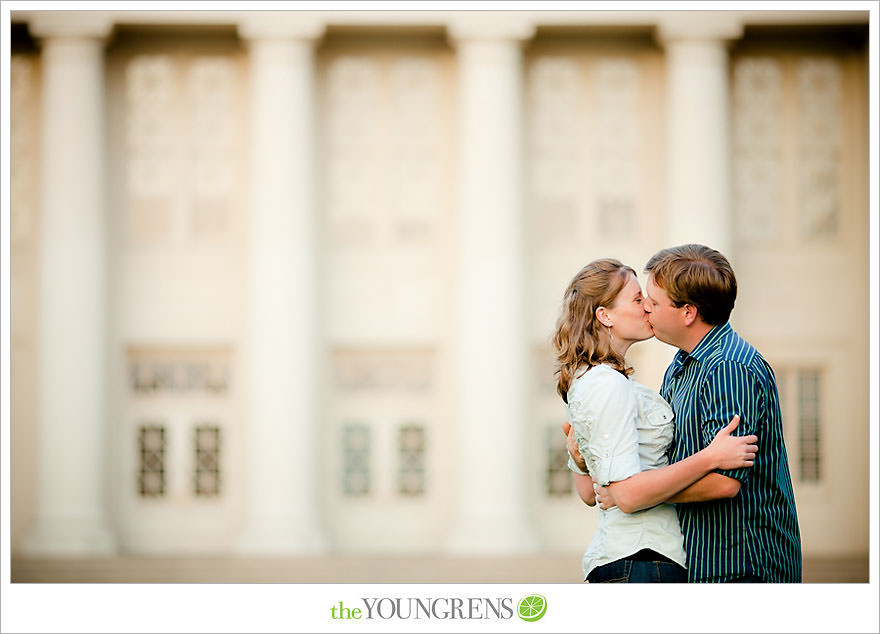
<point x="645" y="566"/>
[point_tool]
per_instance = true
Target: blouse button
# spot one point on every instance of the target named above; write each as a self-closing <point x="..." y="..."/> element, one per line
<point x="605" y="436"/>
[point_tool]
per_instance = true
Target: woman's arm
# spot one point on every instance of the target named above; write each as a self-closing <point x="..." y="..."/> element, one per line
<point x="649" y="488"/>
<point x="603" y="413"/>
<point x="713" y="486"/>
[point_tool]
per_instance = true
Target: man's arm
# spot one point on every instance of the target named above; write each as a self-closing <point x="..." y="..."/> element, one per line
<point x="729" y="387"/>
<point x="713" y="486"/>
<point x="649" y="488"/>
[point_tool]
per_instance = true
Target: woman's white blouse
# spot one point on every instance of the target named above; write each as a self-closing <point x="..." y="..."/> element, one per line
<point x="623" y="427"/>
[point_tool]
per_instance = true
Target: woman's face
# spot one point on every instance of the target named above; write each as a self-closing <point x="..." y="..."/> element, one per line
<point x="628" y="317"/>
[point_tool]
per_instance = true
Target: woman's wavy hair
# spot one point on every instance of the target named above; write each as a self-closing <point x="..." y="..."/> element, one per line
<point x="581" y="339"/>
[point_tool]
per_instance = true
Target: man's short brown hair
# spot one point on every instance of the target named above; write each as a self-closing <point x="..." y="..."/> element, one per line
<point x="697" y="275"/>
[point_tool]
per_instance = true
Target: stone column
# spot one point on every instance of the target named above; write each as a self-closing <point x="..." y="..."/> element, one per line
<point x="71" y="506"/>
<point x="699" y="170"/>
<point x="491" y="350"/>
<point x="281" y="336"/>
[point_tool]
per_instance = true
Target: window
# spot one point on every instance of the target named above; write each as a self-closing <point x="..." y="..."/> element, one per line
<point x="356" y="460"/>
<point x="757" y="147"/>
<point x="151" y="472"/>
<point x="182" y="389"/>
<point x="180" y="171"/>
<point x="207" y="471"/>
<point x="584" y="116"/>
<point x="819" y="85"/>
<point x="768" y="91"/>
<point x="558" y="476"/>
<point x="809" y="384"/>
<point x="411" y="447"/>
<point x="383" y="179"/>
<point x="800" y="392"/>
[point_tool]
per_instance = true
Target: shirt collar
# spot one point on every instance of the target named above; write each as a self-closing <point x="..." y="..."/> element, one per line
<point x="706" y="345"/>
<point x="678" y="362"/>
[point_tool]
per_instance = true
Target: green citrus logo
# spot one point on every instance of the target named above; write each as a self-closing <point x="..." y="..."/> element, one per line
<point x="532" y="607"/>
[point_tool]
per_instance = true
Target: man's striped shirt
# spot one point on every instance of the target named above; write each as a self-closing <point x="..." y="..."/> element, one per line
<point x="756" y="532"/>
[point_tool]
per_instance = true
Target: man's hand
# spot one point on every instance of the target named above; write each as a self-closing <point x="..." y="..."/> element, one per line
<point x="573" y="450"/>
<point x="733" y="452"/>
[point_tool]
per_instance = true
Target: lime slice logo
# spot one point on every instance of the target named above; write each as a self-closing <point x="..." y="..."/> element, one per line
<point x="532" y="607"/>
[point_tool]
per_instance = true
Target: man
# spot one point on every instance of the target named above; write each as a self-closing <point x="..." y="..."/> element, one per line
<point x="739" y="525"/>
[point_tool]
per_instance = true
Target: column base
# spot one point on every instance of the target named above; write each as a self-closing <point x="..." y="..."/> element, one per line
<point x="70" y="537"/>
<point x="492" y="536"/>
<point x="281" y="535"/>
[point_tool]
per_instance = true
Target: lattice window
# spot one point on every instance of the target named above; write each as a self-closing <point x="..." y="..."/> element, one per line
<point x="809" y="419"/>
<point x="411" y="448"/>
<point x="151" y="470"/>
<point x="356" y="479"/>
<point x="761" y="103"/>
<point x="553" y="131"/>
<point x="557" y="475"/>
<point x="212" y="95"/>
<point x="819" y="82"/>
<point x="383" y="177"/>
<point x="206" y="479"/>
<point x="180" y="147"/>
<point x="584" y="145"/>
<point x="151" y="162"/>
<point x="800" y="392"/>
<point x="352" y="147"/>
<point x="616" y="143"/>
<point x="757" y="145"/>
<point x="415" y="95"/>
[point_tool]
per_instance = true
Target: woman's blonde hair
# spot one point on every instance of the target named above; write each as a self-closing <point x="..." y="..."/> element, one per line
<point x="580" y="339"/>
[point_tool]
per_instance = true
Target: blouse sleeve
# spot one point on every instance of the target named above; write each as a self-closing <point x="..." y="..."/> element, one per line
<point x="604" y="418"/>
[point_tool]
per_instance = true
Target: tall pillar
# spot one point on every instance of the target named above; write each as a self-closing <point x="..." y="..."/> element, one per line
<point x="71" y="508"/>
<point x="281" y="338"/>
<point x="698" y="127"/>
<point x="491" y="351"/>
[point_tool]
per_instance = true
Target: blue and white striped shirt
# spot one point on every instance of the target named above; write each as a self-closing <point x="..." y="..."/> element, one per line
<point x="756" y="532"/>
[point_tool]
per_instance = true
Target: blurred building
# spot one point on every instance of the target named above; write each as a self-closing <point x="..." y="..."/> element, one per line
<point x="285" y="282"/>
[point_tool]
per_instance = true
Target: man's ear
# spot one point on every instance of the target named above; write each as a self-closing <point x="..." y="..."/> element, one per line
<point x="690" y="314"/>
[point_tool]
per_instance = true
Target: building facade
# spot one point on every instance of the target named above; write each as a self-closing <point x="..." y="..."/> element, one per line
<point x="285" y="282"/>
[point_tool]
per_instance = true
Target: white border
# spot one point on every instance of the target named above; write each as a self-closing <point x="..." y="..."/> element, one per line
<point x="305" y="607"/>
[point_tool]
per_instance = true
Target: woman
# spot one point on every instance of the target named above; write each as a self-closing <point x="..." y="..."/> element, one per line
<point x="622" y="428"/>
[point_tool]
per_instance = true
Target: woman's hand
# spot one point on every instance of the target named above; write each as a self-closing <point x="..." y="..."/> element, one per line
<point x="583" y="484"/>
<point x="733" y="452"/>
<point x="571" y="444"/>
<point x="604" y="496"/>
